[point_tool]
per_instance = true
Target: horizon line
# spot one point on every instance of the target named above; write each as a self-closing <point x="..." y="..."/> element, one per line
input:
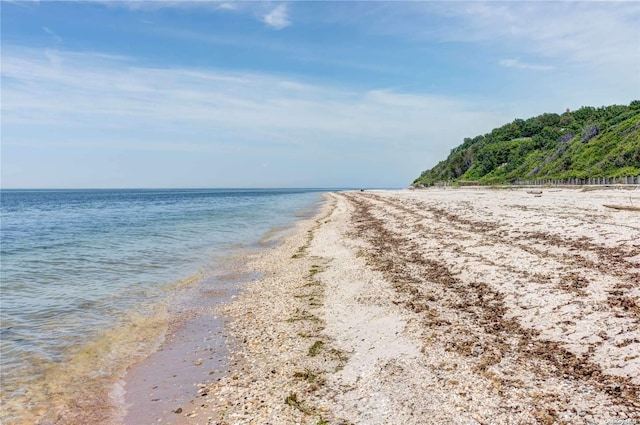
<point x="202" y="188"/>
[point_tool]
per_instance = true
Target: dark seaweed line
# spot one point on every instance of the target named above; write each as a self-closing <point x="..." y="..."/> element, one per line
<point x="611" y="262"/>
<point x="384" y="257"/>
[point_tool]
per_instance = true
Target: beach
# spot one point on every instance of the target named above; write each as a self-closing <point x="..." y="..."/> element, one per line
<point x="96" y="283"/>
<point x="465" y="306"/>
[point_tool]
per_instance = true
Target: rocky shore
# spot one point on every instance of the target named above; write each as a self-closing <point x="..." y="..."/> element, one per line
<point x="458" y="306"/>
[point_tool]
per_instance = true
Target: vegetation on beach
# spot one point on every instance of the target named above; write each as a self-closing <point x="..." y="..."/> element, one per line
<point x="586" y="143"/>
<point x="292" y="400"/>
<point x="314" y="350"/>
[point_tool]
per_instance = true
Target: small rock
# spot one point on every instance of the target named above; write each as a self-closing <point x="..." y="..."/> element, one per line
<point x="178" y="410"/>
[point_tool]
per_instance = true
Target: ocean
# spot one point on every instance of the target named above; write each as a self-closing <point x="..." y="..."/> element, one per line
<point x="90" y="279"/>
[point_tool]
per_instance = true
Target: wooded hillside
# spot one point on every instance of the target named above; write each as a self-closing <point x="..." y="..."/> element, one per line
<point x="586" y="143"/>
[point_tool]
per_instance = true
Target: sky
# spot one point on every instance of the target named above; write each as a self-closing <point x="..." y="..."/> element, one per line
<point x="168" y="94"/>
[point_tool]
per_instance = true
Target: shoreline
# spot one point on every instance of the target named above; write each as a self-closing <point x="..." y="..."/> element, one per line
<point x="434" y="306"/>
<point x="195" y="351"/>
<point x="248" y="335"/>
<point x="96" y="278"/>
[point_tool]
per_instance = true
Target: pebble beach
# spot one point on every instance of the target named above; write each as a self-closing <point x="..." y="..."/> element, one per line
<point x="459" y="306"/>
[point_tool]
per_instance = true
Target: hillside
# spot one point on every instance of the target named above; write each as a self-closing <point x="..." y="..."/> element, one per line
<point x="589" y="142"/>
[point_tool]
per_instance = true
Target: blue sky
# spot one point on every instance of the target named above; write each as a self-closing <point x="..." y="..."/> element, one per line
<point x="289" y="94"/>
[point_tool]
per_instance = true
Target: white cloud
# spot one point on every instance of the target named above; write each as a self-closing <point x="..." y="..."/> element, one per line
<point x="227" y="6"/>
<point x="151" y="5"/>
<point x="594" y="39"/>
<point x="516" y="63"/>
<point x="93" y="102"/>
<point x="96" y="86"/>
<point x="278" y="18"/>
<point x="595" y="34"/>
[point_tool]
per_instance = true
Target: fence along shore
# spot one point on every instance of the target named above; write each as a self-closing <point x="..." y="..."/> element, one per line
<point x="591" y="181"/>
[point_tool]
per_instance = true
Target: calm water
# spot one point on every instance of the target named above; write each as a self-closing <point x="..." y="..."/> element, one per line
<point x="88" y="276"/>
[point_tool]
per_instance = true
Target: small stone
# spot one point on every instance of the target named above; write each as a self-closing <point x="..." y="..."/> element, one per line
<point x="198" y="362"/>
<point x="178" y="410"/>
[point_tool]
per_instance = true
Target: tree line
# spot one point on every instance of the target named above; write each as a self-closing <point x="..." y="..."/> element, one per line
<point x="586" y="143"/>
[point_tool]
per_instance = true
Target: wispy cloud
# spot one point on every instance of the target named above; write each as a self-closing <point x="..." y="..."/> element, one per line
<point x="227" y="6"/>
<point x="23" y="3"/>
<point x="53" y="35"/>
<point x="592" y="33"/>
<point x="93" y="101"/>
<point x="59" y="85"/>
<point x="278" y="18"/>
<point x="150" y="5"/>
<point x="592" y="37"/>
<point x="517" y="63"/>
<point x="153" y="4"/>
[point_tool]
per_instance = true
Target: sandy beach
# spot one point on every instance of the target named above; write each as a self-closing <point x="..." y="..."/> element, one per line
<point x="457" y="306"/>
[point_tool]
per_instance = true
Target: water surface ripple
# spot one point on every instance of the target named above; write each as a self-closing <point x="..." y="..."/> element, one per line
<point x="80" y="266"/>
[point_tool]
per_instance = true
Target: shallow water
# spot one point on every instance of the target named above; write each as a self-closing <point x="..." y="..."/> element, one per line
<point x="91" y="277"/>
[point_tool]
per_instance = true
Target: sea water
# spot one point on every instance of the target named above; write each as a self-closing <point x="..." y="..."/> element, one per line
<point x="89" y="276"/>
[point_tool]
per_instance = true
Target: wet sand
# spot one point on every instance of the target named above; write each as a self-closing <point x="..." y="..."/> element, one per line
<point x="463" y="306"/>
<point x="167" y="380"/>
<point x="195" y="350"/>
